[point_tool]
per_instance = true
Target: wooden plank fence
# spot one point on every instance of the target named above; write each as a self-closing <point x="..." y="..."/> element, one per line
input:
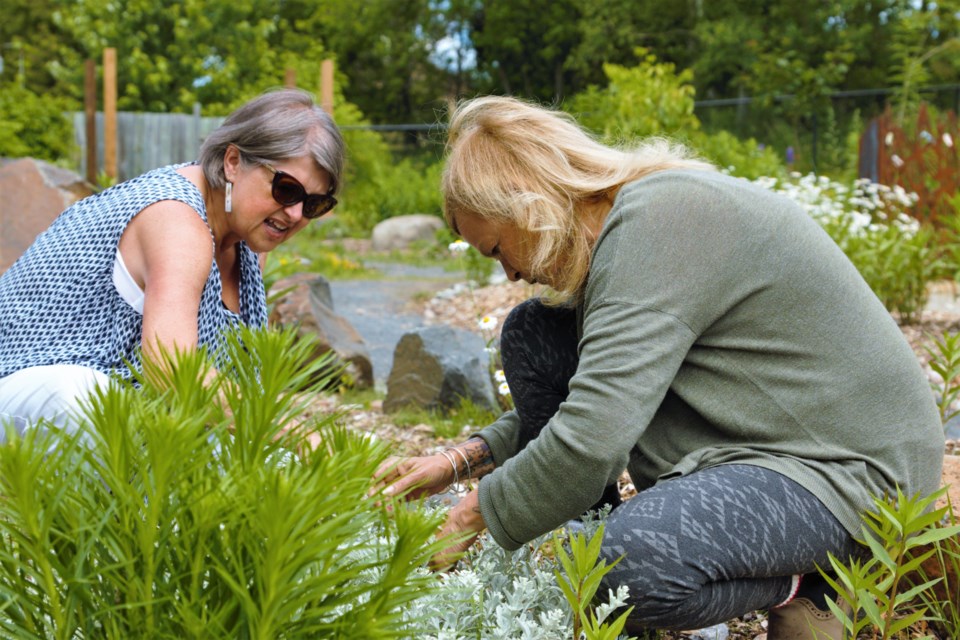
<point x="147" y="140"/>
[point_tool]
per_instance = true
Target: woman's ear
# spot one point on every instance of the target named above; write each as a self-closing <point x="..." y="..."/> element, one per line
<point x="231" y="162"/>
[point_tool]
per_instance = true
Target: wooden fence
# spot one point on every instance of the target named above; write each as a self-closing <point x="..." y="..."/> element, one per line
<point x="147" y="140"/>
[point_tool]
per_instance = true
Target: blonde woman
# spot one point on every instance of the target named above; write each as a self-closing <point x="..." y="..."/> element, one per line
<point x="713" y="341"/>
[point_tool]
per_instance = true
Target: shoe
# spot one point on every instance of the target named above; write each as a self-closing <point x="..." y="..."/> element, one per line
<point x="800" y="619"/>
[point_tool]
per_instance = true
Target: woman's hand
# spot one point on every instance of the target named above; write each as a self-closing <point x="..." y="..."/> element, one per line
<point x="465" y="522"/>
<point x="415" y="477"/>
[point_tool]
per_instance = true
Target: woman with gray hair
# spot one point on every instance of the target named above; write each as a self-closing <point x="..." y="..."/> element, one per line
<point x="165" y="261"/>
<point x="708" y="337"/>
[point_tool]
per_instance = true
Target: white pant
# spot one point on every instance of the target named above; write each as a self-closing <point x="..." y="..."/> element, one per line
<point x="53" y="392"/>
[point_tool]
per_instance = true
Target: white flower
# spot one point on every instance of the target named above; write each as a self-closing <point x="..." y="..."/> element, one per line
<point x="458" y="246"/>
<point x="888" y="139"/>
<point x="504" y="389"/>
<point x="487" y="323"/>
<point x="896" y="160"/>
<point x="499" y="375"/>
<point x="947" y="139"/>
<point x="926" y="136"/>
<point x="490" y="350"/>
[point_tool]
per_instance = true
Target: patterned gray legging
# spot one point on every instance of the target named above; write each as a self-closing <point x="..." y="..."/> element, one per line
<point x="698" y="549"/>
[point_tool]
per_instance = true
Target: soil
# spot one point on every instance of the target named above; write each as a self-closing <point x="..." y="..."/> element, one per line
<point x="465" y="309"/>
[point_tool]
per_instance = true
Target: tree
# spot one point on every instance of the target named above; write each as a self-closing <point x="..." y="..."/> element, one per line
<point x="523" y="45"/>
<point x="612" y="30"/>
<point x="383" y="48"/>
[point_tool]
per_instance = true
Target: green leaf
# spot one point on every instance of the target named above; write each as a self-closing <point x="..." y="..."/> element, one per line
<point x="900" y="623"/>
<point x="935" y="534"/>
<point x="879" y="551"/>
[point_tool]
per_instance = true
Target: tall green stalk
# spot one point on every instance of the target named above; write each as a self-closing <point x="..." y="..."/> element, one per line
<point x="193" y="508"/>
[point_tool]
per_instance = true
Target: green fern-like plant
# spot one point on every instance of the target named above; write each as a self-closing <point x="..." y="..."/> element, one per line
<point x="582" y="572"/>
<point x="192" y="507"/>
<point x="945" y="361"/>
<point x="877" y="589"/>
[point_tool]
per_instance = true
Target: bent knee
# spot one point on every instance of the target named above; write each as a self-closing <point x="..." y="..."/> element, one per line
<point x="49" y="393"/>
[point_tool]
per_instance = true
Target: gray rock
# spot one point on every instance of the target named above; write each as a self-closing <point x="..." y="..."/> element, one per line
<point x="34" y="194"/>
<point x="400" y="232"/>
<point x="716" y="632"/>
<point x="308" y="305"/>
<point x="435" y="367"/>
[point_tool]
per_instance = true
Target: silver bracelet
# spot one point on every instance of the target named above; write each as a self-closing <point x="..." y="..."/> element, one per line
<point x="467" y="462"/>
<point x="453" y="463"/>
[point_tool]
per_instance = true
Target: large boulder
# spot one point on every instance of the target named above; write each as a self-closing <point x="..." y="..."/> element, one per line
<point x="32" y="195"/>
<point x="401" y="231"/>
<point x="435" y="367"/>
<point x="306" y="303"/>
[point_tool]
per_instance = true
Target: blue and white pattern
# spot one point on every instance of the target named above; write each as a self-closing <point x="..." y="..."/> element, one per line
<point x="58" y="304"/>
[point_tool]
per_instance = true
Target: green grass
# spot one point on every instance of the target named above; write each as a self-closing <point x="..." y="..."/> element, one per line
<point x="446" y="424"/>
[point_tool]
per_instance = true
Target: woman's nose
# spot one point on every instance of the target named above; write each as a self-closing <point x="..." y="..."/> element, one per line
<point x="294" y="211"/>
<point x="512" y="274"/>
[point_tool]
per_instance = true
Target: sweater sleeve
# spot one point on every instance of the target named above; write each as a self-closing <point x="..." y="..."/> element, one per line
<point x="586" y="445"/>
<point x="503" y="437"/>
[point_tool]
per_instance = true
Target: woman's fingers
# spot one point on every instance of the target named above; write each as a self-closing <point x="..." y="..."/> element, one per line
<point x="463" y="524"/>
<point x="411" y="477"/>
<point x="387" y="469"/>
<point x="448" y="557"/>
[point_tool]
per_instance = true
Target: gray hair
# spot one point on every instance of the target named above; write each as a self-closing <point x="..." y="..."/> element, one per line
<point x="276" y="126"/>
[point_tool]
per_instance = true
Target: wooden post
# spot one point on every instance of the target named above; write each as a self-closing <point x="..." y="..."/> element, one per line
<point x="326" y="86"/>
<point x="290" y="79"/>
<point x="110" y="112"/>
<point x="90" y="117"/>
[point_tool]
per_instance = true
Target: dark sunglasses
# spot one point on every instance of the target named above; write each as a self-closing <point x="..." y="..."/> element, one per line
<point x="288" y="191"/>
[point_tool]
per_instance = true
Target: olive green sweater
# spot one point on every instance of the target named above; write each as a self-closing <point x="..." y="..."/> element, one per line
<point x="721" y="325"/>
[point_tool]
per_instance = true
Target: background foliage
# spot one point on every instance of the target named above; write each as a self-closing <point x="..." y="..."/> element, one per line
<point x="404" y="61"/>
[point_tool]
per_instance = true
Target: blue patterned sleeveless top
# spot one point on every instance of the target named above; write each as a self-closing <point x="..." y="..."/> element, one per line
<point x="58" y="303"/>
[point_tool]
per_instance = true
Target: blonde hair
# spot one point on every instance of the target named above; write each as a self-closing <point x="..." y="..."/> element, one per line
<point x="512" y="161"/>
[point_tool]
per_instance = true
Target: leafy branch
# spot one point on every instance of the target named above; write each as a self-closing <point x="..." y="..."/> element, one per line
<point x="579" y="582"/>
<point x="897" y="535"/>
<point x="945" y="361"/>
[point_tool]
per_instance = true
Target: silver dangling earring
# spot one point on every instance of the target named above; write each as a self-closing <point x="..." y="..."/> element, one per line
<point x="228" y="198"/>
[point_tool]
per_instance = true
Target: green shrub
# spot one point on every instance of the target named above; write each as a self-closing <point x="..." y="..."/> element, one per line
<point x="377" y="186"/>
<point x="652" y="99"/>
<point x="34" y="126"/>
<point x="901" y="535"/>
<point x="743" y="158"/>
<point x="897" y="264"/>
<point x="893" y="252"/>
<point x="649" y="99"/>
<point x="183" y="510"/>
